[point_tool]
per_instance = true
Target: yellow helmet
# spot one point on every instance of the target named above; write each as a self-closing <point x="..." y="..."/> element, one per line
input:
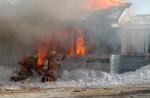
<point x="52" y="53"/>
<point x="26" y="57"/>
<point x="35" y="55"/>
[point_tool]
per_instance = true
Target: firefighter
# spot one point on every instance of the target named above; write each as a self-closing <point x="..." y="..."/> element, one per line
<point x="48" y="68"/>
<point x="51" y="63"/>
<point x="28" y="63"/>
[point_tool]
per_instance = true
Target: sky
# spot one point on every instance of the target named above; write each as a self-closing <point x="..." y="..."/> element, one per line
<point x="138" y="7"/>
<point x="12" y="1"/>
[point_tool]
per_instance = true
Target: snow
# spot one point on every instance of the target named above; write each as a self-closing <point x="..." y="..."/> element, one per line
<point x="78" y="78"/>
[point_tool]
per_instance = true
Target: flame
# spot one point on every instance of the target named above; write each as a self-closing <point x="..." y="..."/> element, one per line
<point x="101" y="4"/>
<point x="67" y="43"/>
<point x="80" y="46"/>
<point x="71" y="52"/>
<point x="43" y="48"/>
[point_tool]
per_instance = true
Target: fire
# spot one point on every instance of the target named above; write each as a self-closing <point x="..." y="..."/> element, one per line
<point x="80" y="46"/>
<point x="43" y="48"/>
<point x="71" y="52"/>
<point x="101" y="4"/>
<point x="72" y="42"/>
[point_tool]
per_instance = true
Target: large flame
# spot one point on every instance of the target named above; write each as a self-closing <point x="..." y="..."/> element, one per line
<point x="73" y="45"/>
<point x="77" y="45"/>
<point x="80" y="44"/>
<point x="43" y="48"/>
<point x="100" y="4"/>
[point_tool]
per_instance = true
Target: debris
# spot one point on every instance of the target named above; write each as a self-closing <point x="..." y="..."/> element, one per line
<point x="78" y="90"/>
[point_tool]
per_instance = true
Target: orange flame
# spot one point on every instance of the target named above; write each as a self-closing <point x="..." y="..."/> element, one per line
<point x="101" y="4"/>
<point x="74" y="46"/>
<point x="43" y="48"/>
<point x="80" y="44"/>
<point x="71" y="52"/>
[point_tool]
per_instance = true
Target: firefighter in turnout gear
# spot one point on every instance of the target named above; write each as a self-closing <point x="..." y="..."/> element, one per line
<point x="28" y="64"/>
<point x="49" y="67"/>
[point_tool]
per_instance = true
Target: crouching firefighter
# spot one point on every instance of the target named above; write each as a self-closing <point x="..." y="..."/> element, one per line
<point x="49" y="67"/>
<point x="28" y="64"/>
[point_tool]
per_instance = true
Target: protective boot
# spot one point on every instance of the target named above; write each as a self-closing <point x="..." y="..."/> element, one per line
<point x="46" y="79"/>
<point x="17" y="79"/>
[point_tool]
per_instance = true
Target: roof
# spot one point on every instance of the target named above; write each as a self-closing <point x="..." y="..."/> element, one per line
<point x="102" y="16"/>
<point x="111" y="13"/>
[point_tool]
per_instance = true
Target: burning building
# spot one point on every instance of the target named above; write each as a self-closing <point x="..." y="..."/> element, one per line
<point x="88" y="39"/>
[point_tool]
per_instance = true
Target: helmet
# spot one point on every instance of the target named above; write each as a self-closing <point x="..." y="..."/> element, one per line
<point x="23" y="60"/>
<point x="35" y="55"/>
<point x="52" y="53"/>
<point x="26" y="57"/>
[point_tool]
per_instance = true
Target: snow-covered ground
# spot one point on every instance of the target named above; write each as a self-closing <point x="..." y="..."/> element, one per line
<point x="78" y="78"/>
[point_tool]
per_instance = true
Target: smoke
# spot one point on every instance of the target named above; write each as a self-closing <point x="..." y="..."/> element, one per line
<point x="30" y="20"/>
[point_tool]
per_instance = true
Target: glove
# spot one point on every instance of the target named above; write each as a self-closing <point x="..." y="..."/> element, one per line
<point x="64" y="56"/>
<point x="40" y="74"/>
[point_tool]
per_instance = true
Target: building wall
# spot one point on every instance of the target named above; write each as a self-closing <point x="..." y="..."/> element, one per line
<point x="11" y="53"/>
<point x="125" y="63"/>
<point x="134" y="40"/>
<point x="135" y="46"/>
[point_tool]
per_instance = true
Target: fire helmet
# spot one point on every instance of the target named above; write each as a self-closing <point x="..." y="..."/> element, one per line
<point x="26" y="57"/>
<point x="35" y="55"/>
<point x="52" y="53"/>
<point x="23" y="60"/>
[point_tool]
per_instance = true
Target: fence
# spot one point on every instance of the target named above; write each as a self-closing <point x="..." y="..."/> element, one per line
<point x="9" y="61"/>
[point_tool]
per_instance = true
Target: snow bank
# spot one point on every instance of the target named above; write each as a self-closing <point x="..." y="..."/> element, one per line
<point x="99" y="78"/>
<point x="6" y="72"/>
<point x="79" y="78"/>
